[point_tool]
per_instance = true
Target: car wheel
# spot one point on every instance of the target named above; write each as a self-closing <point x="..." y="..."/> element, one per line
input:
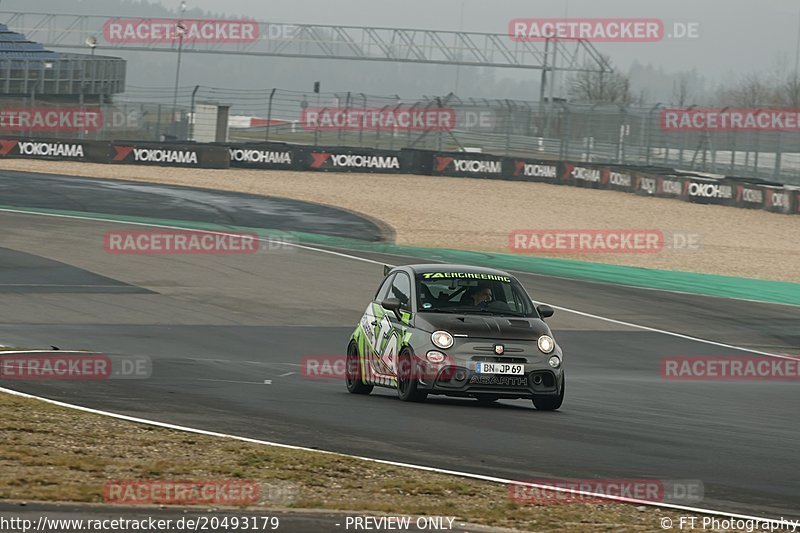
<point x="486" y="398"/>
<point x="550" y="403"/>
<point x="353" y="372"/>
<point x="407" y="381"/>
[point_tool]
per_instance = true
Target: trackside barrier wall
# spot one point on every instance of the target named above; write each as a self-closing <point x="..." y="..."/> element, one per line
<point x="708" y="191"/>
<point x="582" y="175"/>
<point x="750" y="196"/>
<point x="54" y="149"/>
<point x="466" y="164"/>
<point x="671" y="187"/>
<point x="278" y="156"/>
<point x="618" y="179"/>
<point x="338" y="159"/>
<point x="645" y="184"/>
<point x="646" y="181"/>
<point x="777" y="199"/>
<point x="173" y="155"/>
<point x="519" y="168"/>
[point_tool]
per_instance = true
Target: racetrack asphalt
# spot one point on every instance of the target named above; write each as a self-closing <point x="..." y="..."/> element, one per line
<point x="227" y="335"/>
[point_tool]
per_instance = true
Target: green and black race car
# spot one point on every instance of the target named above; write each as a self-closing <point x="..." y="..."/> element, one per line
<point x="457" y="331"/>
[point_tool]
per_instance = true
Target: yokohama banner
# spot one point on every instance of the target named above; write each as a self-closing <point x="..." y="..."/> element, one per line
<point x="708" y="191"/>
<point x="750" y="196"/>
<point x="356" y="160"/>
<point x="467" y="164"/>
<point x="582" y="175"/>
<point x="174" y="155"/>
<point x="266" y="155"/>
<point x="777" y="200"/>
<point x="532" y="170"/>
<point x="646" y="185"/>
<point x="618" y="179"/>
<point x="670" y="187"/>
<point x="73" y="150"/>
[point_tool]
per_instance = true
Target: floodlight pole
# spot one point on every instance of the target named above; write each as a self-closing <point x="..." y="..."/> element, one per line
<point x="180" y="29"/>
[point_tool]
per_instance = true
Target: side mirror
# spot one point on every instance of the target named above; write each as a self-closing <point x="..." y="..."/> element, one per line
<point x="545" y="311"/>
<point x="391" y="304"/>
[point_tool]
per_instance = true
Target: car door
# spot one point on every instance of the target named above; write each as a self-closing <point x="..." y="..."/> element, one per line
<point x="386" y="331"/>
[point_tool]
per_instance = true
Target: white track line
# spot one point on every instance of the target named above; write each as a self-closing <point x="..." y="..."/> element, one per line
<point x="394" y="463"/>
<point x="480" y="477"/>
<point x="674" y="334"/>
<point x="54" y="352"/>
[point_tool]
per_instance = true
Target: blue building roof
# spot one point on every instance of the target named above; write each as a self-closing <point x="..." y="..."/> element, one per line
<point x="15" y="45"/>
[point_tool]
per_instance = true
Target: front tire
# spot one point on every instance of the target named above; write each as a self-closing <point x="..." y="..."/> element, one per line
<point x="551" y="403"/>
<point x="353" y="372"/>
<point x="407" y="381"/>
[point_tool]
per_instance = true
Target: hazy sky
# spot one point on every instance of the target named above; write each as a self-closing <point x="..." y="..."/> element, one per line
<point x="737" y="36"/>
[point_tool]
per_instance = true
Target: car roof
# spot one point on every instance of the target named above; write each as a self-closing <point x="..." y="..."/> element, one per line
<point x="434" y="267"/>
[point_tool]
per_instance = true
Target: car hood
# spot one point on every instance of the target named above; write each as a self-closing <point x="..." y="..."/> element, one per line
<point x="484" y="326"/>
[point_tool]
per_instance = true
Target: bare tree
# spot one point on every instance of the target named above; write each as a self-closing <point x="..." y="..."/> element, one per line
<point x="788" y="93"/>
<point x="600" y="87"/>
<point x="682" y="90"/>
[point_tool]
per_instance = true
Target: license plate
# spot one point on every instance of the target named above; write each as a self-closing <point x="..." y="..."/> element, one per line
<point x="500" y="368"/>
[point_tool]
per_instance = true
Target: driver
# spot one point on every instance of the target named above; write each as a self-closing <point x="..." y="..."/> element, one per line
<point x="481" y="295"/>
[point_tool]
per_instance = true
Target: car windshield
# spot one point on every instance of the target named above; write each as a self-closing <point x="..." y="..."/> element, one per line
<point x="472" y="293"/>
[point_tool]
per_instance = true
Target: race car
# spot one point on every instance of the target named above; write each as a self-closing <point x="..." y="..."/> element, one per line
<point x="459" y="331"/>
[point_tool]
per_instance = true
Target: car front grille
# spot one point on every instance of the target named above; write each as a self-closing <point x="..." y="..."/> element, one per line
<point x="499" y="359"/>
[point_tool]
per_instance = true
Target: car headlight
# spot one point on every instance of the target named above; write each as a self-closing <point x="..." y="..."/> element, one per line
<point x="554" y="361"/>
<point x="546" y="344"/>
<point x="442" y="339"/>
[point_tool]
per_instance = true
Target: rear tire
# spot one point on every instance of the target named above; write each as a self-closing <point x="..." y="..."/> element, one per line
<point x="353" y="372"/>
<point x="407" y="381"/>
<point x="551" y="403"/>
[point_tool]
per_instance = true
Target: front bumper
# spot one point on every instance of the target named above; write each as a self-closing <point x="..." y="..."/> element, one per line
<point x="460" y="380"/>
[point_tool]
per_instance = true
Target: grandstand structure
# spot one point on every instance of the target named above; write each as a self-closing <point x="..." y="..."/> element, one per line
<point x="31" y="73"/>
